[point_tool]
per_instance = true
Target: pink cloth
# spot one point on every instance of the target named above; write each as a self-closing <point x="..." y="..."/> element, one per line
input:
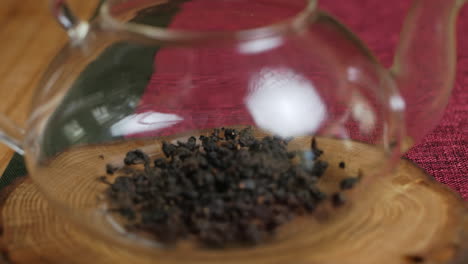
<point x="443" y="153"/>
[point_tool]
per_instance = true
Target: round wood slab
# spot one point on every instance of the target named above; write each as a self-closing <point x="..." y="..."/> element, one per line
<point x="413" y="219"/>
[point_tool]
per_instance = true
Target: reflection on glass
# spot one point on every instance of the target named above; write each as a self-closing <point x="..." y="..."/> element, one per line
<point x="148" y="121"/>
<point x="285" y="103"/>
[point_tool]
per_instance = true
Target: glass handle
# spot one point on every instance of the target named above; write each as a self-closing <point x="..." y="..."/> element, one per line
<point x="11" y="134"/>
<point x="425" y="61"/>
<point x="76" y="28"/>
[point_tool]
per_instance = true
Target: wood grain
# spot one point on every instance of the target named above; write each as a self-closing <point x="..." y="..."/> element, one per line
<point x="30" y="39"/>
<point x="403" y="218"/>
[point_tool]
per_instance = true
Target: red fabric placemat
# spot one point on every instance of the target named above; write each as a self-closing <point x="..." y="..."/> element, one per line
<point x="443" y="153"/>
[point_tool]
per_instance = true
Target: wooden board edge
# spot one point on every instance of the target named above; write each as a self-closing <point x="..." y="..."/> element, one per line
<point x="4" y="194"/>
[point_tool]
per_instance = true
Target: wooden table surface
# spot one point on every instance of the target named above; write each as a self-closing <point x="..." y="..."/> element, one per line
<point x="30" y="38"/>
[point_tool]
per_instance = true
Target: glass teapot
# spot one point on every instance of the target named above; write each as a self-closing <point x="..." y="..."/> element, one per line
<point x="143" y="79"/>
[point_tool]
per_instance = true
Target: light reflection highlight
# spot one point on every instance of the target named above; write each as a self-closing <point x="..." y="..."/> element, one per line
<point x="144" y="122"/>
<point x="285" y="103"/>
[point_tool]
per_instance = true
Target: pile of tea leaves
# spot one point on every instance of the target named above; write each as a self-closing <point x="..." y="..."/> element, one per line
<point x="228" y="188"/>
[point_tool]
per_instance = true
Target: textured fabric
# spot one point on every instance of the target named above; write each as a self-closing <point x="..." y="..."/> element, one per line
<point x="444" y="152"/>
<point x="16" y="168"/>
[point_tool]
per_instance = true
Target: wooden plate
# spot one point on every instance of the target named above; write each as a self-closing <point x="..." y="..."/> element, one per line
<point x="405" y="218"/>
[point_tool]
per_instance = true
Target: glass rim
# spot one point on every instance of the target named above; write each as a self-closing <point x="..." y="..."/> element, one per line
<point x="292" y="24"/>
